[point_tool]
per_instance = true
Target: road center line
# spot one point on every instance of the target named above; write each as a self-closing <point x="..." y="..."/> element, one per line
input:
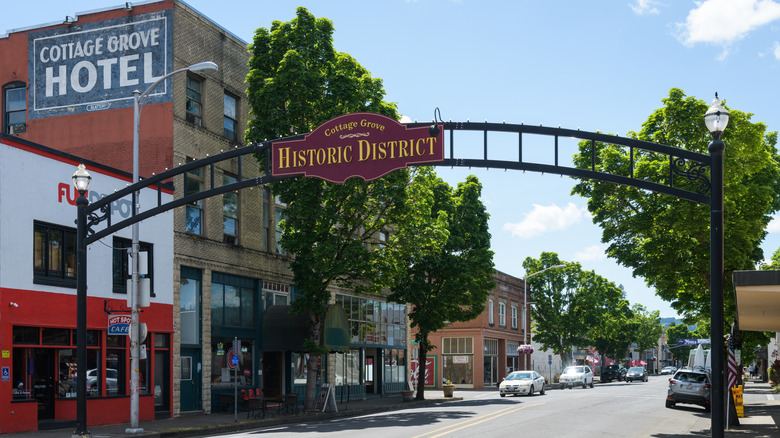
<point x="473" y="421"/>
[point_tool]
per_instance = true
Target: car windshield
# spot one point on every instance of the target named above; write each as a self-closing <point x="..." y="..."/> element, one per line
<point x="691" y="377"/>
<point x="611" y="367"/>
<point x="636" y="369"/>
<point x="574" y="370"/>
<point x="519" y="376"/>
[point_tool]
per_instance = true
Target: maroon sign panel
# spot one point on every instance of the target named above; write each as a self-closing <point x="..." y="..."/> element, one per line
<point x="364" y="145"/>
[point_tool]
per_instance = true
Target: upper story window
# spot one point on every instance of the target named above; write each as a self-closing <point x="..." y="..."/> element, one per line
<point x="502" y="314"/>
<point x="193" y="183"/>
<point x="230" y="123"/>
<point x="121" y="264"/>
<point x="15" y="108"/>
<point x="514" y="317"/>
<point x="279" y="216"/>
<point x="233" y="301"/>
<point x="230" y="212"/>
<point x="54" y="255"/>
<point x="491" y="318"/>
<point x="382" y="239"/>
<point x="195" y="100"/>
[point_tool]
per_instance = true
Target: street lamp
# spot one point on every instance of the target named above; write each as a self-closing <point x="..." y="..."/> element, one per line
<point x="526" y="307"/>
<point x="81" y="180"/>
<point x="135" y="347"/>
<point x="716" y="118"/>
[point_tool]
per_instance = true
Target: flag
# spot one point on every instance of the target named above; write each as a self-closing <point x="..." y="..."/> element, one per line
<point x="732" y="370"/>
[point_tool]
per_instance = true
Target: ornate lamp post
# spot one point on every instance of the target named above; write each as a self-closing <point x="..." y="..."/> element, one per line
<point x="526" y="306"/>
<point x="81" y="180"/>
<point x="716" y="118"/>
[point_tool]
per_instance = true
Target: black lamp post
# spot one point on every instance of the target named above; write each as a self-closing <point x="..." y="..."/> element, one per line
<point x="716" y="118"/>
<point x="81" y="180"/>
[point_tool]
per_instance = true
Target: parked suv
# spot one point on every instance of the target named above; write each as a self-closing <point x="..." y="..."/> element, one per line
<point x="689" y="386"/>
<point x="613" y="372"/>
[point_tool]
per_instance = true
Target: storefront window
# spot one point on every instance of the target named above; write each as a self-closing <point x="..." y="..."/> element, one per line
<point x="190" y="308"/>
<point x="222" y="373"/>
<point x="458" y="360"/>
<point x="115" y="365"/>
<point x="395" y="366"/>
<point x="347" y="367"/>
<point x="299" y="370"/>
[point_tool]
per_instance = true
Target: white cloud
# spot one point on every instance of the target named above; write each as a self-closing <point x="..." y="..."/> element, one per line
<point x="642" y="7"/>
<point x="546" y="218"/>
<point x="722" y="22"/>
<point x="591" y="253"/>
<point x="777" y="50"/>
<point x="774" y="225"/>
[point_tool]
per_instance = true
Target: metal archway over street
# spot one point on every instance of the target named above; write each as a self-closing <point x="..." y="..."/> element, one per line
<point x="368" y="145"/>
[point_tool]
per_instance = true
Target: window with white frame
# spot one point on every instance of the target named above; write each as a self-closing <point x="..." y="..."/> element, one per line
<point x="502" y="314"/>
<point x="514" y="317"/>
<point x="491" y="319"/>
<point x="276" y="294"/>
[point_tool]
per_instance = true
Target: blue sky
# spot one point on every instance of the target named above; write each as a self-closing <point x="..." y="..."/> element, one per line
<point x="599" y="66"/>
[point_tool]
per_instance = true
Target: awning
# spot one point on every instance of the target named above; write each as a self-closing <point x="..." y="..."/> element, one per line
<point x="283" y="331"/>
<point x="758" y="300"/>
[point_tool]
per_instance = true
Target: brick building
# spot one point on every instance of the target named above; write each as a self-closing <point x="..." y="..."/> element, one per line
<point x="480" y="353"/>
<point x="69" y="85"/>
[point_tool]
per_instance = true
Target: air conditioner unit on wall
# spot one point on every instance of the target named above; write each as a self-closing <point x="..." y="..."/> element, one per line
<point x="17" y="129"/>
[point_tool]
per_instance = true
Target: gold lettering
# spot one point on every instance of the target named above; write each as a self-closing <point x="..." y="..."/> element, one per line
<point x="382" y="151"/>
<point x="402" y="153"/>
<point x="348" y="157"/>
<point x="361" y="145"/>
<point x="284" y="157"/>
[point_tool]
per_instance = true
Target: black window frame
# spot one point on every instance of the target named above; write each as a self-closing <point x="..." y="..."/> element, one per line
<point x="231" y="239"/>
<point x="7" y="124"/>
<point x="120" y="264"/>
<point x="194" y="101"/>
<point x="231" y="135"/>
<point x="45" y="275"/>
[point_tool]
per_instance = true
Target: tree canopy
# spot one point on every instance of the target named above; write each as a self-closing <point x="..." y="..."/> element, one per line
<point x="439" y="260"/>
<point x="666" y="240"/>
<point x="296" y="82"/>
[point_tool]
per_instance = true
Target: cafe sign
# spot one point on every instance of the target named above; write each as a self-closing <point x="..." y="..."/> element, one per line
<point x="364" y="145"/>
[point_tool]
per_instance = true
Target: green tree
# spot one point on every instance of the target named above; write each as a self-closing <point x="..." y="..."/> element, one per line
<point x="666" y="240"/>
<point x="296" y="82"/>
<point x="612" y="337"/>
<point x="675" y="333"/>
<point x="648" y="327"/>
<point x="448" y="281"/>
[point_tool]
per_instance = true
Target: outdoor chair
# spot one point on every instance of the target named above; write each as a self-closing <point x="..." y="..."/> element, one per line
<point x="289" y="403"/>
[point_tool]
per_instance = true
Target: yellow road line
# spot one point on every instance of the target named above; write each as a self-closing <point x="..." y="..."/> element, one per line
<point x="473" y="421"/>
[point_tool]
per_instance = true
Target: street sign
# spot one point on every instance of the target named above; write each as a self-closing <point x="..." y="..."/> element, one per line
<point x="693" y="341"/>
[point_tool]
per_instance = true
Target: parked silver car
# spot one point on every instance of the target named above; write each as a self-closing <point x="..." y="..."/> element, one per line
<point x="578" y="375"/>
<point x="689" y="386"/>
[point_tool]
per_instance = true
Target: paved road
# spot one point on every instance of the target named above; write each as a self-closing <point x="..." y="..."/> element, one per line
<point x="614" y="409"/>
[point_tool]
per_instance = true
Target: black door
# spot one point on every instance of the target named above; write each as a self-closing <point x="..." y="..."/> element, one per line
<point x="43" y="381"/>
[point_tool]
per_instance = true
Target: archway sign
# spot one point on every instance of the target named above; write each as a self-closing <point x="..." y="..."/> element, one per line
<point x="368" y="146"/>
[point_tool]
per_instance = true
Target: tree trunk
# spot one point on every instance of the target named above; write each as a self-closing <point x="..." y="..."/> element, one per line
<point x="421" y="367"/>
<point x="312" y="369"/>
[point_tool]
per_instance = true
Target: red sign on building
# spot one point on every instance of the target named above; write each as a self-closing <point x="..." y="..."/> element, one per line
<point x="364" y="145"/>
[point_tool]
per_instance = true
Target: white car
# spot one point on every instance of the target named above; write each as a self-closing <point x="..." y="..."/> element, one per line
<point x="521" y="382"/>
<point x="578" y="375"/>
<point x="668" y="370"/>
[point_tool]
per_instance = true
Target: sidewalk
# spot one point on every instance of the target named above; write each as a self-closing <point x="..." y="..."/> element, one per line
<point x="201" y="424"/>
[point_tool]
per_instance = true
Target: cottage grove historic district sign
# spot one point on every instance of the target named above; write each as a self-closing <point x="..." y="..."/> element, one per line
<point x="365" y="145"/>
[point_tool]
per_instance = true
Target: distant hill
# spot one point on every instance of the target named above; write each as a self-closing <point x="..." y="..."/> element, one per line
<point x="666" y="322"/>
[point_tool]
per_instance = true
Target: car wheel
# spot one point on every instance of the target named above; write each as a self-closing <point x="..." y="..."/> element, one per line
<point x="591" y="383"/>
<point x="531" y="391"/>
<point x="669" y="404"/>
<point x="541" y="391"/>
<point x="707" y="408"/>
<point x="503" y="395"/>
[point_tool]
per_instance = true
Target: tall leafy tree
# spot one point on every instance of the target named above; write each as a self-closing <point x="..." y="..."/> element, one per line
<point x="666" y="240"/>
<point x="675" y="333"/>
<point x="648" y="327"/>
<point x="297" y="81"/>
<point x="448" y="281"/>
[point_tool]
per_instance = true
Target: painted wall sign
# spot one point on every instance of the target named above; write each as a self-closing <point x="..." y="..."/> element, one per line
<point x="97" y="66"/>
<point x="364" y="145"/>
<point x="119" y="324"/>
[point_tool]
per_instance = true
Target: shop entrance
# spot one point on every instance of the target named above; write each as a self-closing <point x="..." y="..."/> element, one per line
<point x="370" y="371"/>
<point x="190" y="380"/>
<point x="272" y="373"/>
<point x="42" y="363"/>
